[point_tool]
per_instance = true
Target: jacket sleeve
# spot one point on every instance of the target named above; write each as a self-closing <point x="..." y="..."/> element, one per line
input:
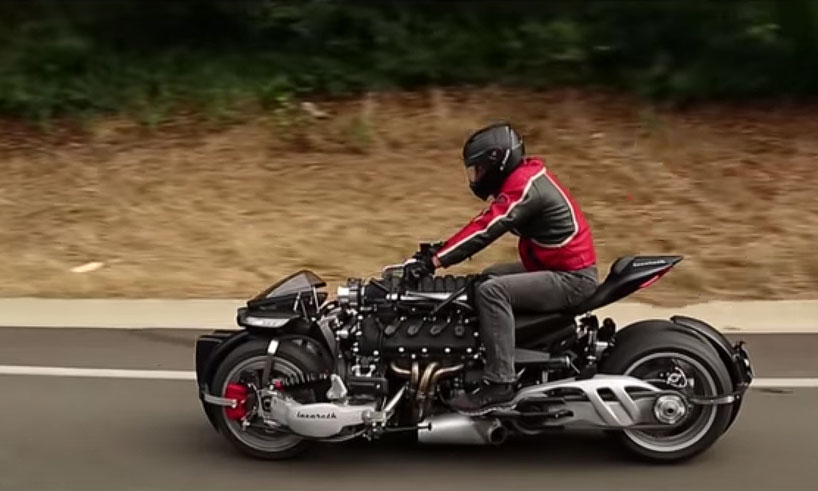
<point x="509" y="208"/>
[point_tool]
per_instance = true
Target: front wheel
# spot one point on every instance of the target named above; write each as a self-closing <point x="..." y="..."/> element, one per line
<point x="674" y="360"/>
<point x="245" y="366"/>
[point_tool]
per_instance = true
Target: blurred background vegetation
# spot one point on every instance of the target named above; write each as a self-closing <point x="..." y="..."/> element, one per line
<point x="148" y="59"/>
<point x="198" y="148"/>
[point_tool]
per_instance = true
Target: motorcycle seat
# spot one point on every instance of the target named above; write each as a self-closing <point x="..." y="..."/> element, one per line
<point x="626" y="275"/>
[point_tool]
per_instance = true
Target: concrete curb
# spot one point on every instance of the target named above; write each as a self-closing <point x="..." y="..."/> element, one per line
<point x="119" y="314"/>
<point x="782" y="316"/>
<point x="786" y="316"/>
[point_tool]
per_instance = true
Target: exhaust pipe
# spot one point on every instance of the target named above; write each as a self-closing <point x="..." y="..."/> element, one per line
<point x="458" y="429"/>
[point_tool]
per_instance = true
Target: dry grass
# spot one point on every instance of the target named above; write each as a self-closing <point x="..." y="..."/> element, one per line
<point x="192" y="211"/>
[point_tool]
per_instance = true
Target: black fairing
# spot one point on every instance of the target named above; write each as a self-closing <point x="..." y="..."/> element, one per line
<point x="294" y="297"/>
<point x="627" y="274"/>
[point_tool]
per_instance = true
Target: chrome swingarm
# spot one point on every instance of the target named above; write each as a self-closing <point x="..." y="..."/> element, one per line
<point x="602" y="401"/>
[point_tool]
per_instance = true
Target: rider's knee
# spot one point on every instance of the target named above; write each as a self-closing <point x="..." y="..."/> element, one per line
<point x="491" y="289"/>
<point x="493" y="270"/>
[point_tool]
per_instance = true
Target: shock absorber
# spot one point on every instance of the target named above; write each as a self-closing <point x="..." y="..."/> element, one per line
<point x="300" y="381"/>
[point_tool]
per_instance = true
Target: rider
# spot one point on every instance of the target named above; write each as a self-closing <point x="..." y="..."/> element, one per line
<point x="557" y="267"/>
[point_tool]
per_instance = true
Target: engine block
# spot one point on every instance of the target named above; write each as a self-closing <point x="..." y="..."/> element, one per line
<point x="417" y="335"/>
<point x="409" y="324"/>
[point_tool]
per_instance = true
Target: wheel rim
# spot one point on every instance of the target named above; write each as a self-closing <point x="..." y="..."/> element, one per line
<point x="659" y="368"/>
<point x="255" y="436"/>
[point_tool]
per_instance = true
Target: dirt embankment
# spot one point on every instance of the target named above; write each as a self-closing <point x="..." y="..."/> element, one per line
<point x="192" y="210"/>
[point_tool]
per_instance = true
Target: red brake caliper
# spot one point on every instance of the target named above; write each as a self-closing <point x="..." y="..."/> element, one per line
<point x="238" y="392"/>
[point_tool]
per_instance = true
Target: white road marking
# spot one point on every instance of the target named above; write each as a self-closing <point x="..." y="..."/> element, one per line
<point x="789" y="382"/>
<point x="98" y="372"/>
<point x="762" y="383"/>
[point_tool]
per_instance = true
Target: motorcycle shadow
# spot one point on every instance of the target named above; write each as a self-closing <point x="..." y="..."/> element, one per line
<point x="558" y="449"/>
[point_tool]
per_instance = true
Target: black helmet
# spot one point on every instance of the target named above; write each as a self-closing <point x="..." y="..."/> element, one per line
<point x="490" y="155"/>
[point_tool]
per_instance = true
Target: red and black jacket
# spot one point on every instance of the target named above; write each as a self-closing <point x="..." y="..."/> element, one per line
<point x="533" y="206"/>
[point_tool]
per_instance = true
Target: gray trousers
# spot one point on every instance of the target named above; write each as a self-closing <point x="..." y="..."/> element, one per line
<point x="513" y="288"/>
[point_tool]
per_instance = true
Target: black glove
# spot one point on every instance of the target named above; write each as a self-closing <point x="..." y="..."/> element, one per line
<point x="429" y="249"/>
<point x="419" y="269"/>
<point x="423" y="265"/>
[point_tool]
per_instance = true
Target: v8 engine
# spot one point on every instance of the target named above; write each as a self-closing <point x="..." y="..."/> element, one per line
<point x="436" y="320"/>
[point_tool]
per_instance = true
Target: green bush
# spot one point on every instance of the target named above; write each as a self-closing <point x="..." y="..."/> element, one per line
<point x="149" y="58"/>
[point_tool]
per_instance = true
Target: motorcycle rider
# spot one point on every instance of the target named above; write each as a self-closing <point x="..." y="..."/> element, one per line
<point x="557" y="267"/>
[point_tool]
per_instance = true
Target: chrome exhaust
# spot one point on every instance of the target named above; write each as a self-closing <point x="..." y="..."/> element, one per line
<point x="458" y="429"/>
<point x="423" y="386"/>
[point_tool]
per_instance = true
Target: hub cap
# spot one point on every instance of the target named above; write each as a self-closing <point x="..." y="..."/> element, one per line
<point x="669" y="409"/>
<point x="677" y="372"/>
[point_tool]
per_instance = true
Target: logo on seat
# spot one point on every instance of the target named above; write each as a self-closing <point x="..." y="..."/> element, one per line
<point x="649" y="263"/>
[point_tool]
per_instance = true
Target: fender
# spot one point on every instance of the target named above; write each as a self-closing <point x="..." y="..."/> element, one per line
<point x="734" y="357"/>
<point x="698" y="329"/>
<point x="212" y="348"/>
<point x="731" y="355"/>
<point x="273" y="324"/>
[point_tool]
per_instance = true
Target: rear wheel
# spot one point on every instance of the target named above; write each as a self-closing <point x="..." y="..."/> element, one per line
<point x="674" y="360"/>
<point x="244" y="367"/>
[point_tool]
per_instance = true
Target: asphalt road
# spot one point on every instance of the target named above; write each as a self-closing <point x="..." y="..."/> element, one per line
<point x="116" y="434"/>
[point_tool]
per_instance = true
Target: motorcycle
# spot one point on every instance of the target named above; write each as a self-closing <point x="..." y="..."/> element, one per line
<point x="386" y="354"/>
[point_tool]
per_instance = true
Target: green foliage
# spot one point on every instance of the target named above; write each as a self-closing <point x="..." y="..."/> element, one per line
<point x="148" y="59"/>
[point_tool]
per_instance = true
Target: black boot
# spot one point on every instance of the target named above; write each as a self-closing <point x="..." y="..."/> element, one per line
<point x="486" y="397"/>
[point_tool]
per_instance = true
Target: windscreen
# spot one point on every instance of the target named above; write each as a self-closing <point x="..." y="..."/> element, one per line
<point x="303" y="281"/>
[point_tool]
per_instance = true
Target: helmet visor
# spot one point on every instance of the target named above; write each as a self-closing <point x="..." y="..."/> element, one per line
<point x="475" y="173"/>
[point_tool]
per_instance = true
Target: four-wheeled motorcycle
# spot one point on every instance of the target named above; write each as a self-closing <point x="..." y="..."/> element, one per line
<point x="386" y="354"/>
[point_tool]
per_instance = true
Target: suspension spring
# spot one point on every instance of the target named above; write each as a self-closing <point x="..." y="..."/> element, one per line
<point x="300" y="380"/>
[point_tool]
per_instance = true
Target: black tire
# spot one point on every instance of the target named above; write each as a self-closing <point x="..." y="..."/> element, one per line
<point x="655" y="338"/>
<point x="293" y="356"/>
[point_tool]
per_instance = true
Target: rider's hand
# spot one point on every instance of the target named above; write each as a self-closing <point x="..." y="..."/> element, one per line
<point x="427" y="256"/>
<point x="420" y="265"/>
<point x="416" y="270"/>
